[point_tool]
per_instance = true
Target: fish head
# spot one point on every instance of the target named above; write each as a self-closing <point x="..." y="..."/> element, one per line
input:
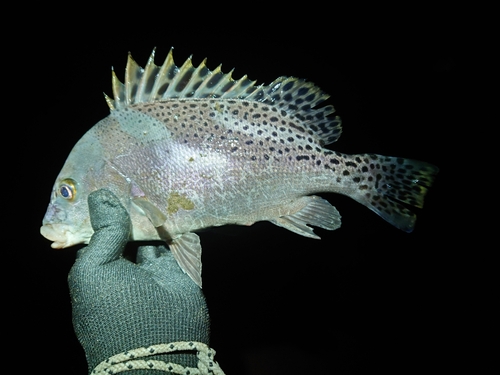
<point x="95" y="162"/>
<point x="67" y="221"/>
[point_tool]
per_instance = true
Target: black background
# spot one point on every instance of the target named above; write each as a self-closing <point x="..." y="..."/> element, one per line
<point x="367" y="296"/>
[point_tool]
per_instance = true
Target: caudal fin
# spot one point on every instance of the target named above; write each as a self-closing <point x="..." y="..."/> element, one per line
<point x="394" y="184"/>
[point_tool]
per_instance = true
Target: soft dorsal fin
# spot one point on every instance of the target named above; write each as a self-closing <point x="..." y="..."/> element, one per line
<point x="153" y="83"/>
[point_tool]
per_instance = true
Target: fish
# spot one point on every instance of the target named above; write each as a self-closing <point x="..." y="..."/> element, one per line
<point x="187" y="148"/>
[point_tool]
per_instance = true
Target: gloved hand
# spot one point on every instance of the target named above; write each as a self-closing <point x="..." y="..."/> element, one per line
<point x="119" y="305"/>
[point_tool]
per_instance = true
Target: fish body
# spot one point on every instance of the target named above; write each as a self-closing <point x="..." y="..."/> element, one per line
<point x="186" y="148"/>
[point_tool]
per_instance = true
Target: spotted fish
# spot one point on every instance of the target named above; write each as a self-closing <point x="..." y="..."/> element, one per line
<point x="186" y="148"/>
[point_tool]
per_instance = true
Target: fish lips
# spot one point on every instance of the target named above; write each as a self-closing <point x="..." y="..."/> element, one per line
<point x="63" y="235"/>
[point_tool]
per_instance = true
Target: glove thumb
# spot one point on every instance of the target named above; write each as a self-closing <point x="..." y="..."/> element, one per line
<point x="111" y="224"/>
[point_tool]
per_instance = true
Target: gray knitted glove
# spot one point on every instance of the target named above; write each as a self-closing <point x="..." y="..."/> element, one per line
<point x="119" y="306"/>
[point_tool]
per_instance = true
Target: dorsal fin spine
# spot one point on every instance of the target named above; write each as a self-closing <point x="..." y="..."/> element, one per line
<point x="132" y="72"/>
<point x="149" y="71"/>
<point x="118" y="89"/>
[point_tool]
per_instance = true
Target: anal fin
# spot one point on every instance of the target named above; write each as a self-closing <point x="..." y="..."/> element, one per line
<point x="316" y="211"/>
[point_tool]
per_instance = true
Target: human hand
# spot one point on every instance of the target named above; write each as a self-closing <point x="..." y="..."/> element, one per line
<point x="119" y="305"/>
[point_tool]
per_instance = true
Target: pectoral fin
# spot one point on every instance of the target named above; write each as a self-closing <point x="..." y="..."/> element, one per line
<point x="186" y="249"/>
<point x="316" y="211"/>
<point x="152" y="212"/>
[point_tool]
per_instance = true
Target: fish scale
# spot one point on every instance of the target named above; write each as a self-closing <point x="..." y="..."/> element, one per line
<point x="186" y="148"/>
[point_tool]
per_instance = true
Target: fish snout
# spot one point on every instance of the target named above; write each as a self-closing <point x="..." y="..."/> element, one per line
<point x="54" y="214"/>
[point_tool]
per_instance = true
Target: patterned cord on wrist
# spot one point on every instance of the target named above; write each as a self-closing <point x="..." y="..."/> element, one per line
<point x="129" y="360"/>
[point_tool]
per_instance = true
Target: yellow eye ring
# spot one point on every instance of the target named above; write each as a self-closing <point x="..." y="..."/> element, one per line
<point x="67" y="189"/>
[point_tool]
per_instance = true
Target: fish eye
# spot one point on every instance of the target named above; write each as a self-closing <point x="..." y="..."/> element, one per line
<point x="67" y="189"/>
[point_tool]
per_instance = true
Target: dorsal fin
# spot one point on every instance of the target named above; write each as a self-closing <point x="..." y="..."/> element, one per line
<point x="153" y="83"/>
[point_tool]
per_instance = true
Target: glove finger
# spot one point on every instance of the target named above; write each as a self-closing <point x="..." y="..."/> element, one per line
<point x="111" y="224"/>
<point x="147" y="254"/>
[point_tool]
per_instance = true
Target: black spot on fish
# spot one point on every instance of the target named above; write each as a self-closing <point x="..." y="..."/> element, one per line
<point x="302" y="157"/>
<point x="288" y="86"/>
<point x="290" y="139"/>
<point x="303" y="91"/>
<point x="249" y="142"/>
<point x="346" y="173"/>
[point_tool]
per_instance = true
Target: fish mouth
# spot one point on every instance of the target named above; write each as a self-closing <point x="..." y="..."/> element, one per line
<point x="62" y="235"/>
